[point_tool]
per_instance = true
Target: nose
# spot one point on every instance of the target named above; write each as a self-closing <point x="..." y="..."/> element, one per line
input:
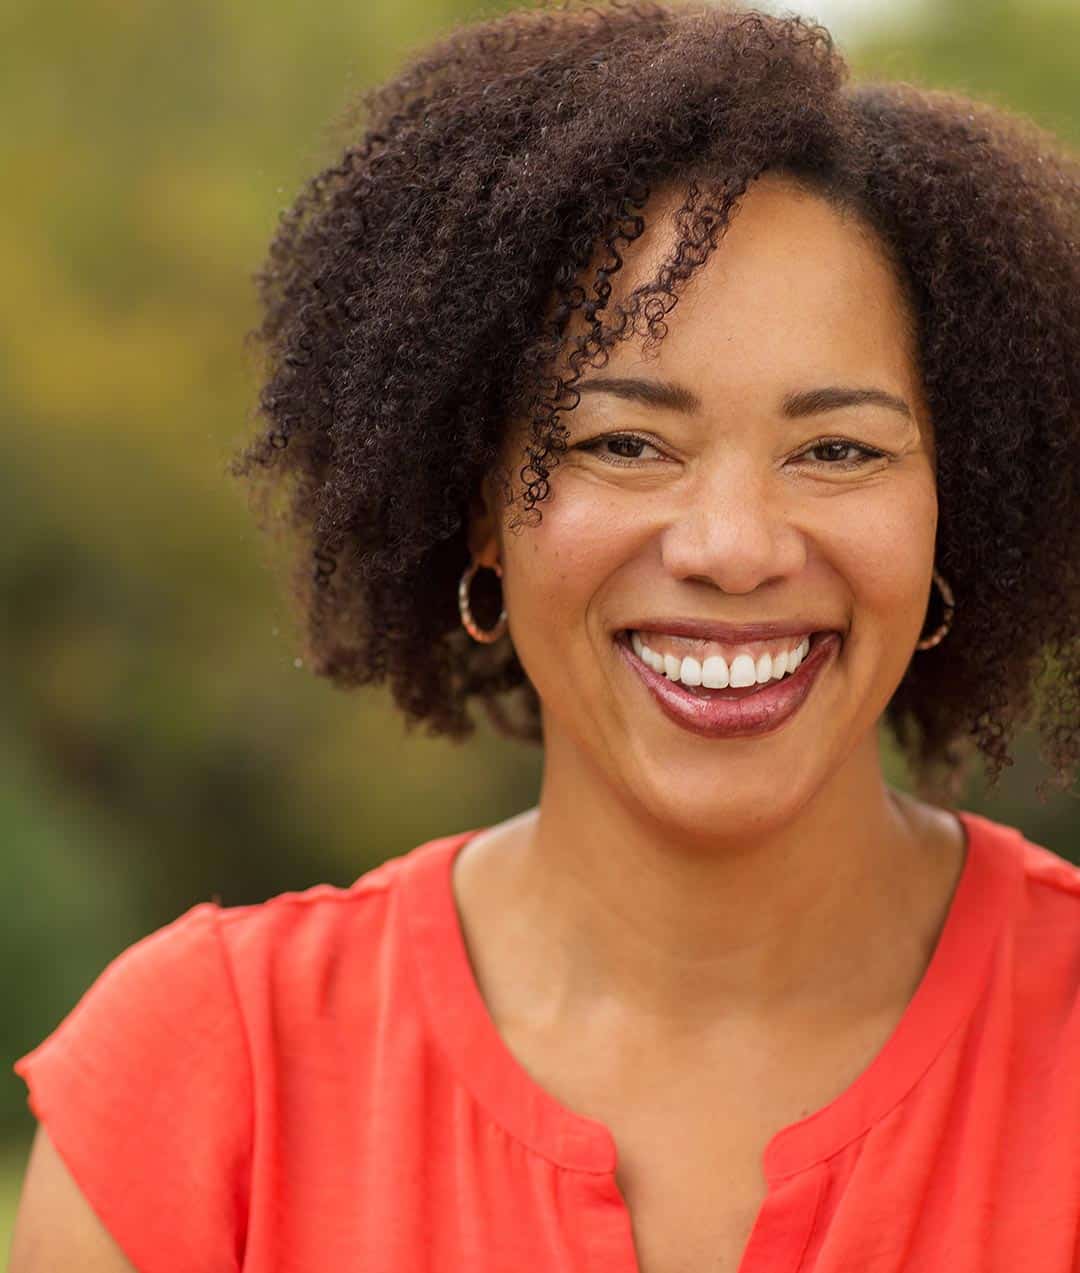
<point x="734" y="530"/>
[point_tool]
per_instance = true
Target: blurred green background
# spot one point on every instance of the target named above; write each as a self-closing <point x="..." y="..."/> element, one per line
<point x="159" y="744"/>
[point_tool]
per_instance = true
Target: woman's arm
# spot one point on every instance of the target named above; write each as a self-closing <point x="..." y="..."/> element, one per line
<point x="55" y="1227"/>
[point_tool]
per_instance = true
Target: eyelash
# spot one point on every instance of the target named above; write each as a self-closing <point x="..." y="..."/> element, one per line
<point x="867" y="453"/>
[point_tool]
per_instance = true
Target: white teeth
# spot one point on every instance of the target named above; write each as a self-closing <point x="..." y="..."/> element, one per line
<point x="715" y="672"/>
<point x="690" y="671"/>
<point x="743" y="671"/>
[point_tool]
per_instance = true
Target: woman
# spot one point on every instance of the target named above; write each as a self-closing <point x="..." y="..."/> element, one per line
<point x="723" y="999"/>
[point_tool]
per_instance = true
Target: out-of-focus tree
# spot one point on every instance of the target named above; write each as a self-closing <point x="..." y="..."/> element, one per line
<point x="1023" y="55"/>
<point x="162" y="747"/>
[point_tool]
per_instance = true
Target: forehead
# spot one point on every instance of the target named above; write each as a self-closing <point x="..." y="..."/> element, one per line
<point x="797" y="292"/>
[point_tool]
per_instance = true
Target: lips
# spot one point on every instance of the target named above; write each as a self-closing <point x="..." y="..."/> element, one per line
<point x="727" y="633"/>
<point x="737" y="713"/>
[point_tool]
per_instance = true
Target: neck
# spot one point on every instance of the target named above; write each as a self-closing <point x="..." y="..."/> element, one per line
<point x="834" y="912"/>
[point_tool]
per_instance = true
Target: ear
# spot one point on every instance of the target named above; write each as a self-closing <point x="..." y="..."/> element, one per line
<point x="482" y="537"/>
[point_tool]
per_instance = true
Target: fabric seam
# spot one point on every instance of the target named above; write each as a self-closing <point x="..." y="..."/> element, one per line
<point x="901" y="1098"/>
<point x="292" y="898"/>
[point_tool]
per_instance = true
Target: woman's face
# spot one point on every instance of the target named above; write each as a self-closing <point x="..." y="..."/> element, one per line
<point x="726" y="508"/>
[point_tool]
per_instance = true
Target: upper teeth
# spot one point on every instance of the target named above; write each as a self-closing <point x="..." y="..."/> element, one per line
<point x="715" y="670"/>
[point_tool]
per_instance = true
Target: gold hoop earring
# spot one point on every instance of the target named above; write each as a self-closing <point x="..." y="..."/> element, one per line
<point x="927" y="643"/>
<point x="484" y="635"/>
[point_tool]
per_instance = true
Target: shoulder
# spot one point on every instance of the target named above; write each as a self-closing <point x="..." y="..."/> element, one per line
<point x="1051" y="899"/>
<point x="1042" y="951"/>
<point x="1051" y="882"/>
<point x="203" y="984"/>
<point x="1050" y="874"/>
<point x="293" y="936"/>
<point x="1048" y="877"/>
<point x="311" y="968"/>
<point x="154" y="1088"/>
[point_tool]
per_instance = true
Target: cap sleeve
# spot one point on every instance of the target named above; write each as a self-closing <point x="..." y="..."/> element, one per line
<point x="145" y="1090"/>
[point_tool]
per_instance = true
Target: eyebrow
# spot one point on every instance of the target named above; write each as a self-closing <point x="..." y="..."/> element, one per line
<point x="674" y="397"/>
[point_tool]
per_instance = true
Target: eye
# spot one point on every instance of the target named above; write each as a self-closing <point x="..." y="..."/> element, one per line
<point x="831" y="452"/>
<point x="628" y="447"/>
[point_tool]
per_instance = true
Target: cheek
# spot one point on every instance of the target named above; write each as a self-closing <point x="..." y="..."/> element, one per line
<point x="555" y="567"/>
<point x="885" y="554"/>
<point x="556" y="574"/>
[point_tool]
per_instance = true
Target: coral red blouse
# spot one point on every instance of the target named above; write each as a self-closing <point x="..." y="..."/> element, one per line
<point x="314" y="1083"/>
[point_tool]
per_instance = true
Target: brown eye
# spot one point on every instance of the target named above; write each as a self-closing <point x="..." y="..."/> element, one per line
<point x="629" y="448"/>
<point x="839" y="453"/>
<point x="832" y="450"/>
<point x="626" y="447"/>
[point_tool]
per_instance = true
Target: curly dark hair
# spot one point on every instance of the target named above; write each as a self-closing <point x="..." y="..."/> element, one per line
<point x="419" y="292"/>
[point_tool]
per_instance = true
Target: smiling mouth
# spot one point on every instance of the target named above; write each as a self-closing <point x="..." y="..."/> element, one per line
<point x="740" y="711"/>
<point x="740" y="677"/>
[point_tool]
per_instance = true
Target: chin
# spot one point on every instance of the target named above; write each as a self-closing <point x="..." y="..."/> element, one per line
<point x="724" y="807"/>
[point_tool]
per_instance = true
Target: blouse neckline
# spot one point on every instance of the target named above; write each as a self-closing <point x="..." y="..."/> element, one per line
<point x="484" y="1064"/>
